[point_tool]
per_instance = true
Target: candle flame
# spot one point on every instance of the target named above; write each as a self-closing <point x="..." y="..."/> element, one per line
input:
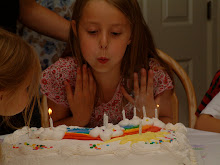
<point x="50" y="111"/>
<point x="158" y="105"/>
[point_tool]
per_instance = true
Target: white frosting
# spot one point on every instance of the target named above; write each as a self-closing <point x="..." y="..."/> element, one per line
<point x="158" y="123"/>
<point x="141" y="149"/>
<point x="147" y="121"/>
<point x="107" y="133"/>
<point x="124" y="122"/>
<point x="135" y="121"/>
<point x="35" y="133"/>
<point x="179" y="127"/>
<point x="95" y="132"/>
<point x="20" y="147"/>
<point x="55" y="133"/>
<point x="170" y="126"/>
<point x="117" y="131"/>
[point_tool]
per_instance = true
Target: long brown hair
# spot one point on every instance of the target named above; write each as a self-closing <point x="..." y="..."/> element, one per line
<point x="138" y="52"/>
<point x="18" y="60"/>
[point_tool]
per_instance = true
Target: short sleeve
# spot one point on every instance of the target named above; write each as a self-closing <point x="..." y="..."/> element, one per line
<point x="210" y="93"/>
<point x="213" y="108"/>
<point x="162" y="80"/>
<point x="52" y="82"/>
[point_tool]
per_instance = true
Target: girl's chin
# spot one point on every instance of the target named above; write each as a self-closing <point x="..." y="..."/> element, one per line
<point x="98" y="67"/>
<point x="101" y="69"/>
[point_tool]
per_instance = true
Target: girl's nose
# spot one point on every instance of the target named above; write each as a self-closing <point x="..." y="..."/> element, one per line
<point x="104" y="41"/>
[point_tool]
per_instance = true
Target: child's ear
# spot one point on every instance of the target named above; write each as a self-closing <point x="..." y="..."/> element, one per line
<point x="73" y="23"/>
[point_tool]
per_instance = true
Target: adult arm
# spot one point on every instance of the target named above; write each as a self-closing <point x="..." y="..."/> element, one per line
<point x="43" y="20"/>
<point x="209" y="119"/>
<point x="207" y="122"/>
<point x="210" y="93"/>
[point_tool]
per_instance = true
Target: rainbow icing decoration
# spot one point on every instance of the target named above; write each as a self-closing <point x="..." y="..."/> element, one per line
<point x="83" y="133"/>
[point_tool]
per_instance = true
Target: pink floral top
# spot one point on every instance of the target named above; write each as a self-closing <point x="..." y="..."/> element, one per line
<point x="65" y="69"/>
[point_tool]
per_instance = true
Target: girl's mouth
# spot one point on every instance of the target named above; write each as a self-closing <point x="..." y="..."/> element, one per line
<point x="103" y="60"/>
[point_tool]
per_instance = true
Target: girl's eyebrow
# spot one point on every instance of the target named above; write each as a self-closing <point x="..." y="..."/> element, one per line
<point x="115" y="25"/>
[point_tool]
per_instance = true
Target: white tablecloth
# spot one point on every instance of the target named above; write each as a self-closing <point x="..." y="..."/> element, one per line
<point x="206" y="145"/>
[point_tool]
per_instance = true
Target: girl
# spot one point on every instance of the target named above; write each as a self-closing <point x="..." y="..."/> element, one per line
<point x="110" y="43"/>
<point x="19" y="75"/>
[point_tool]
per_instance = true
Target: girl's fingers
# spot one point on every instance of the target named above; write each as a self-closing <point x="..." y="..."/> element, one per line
<point x="143" y="81"/>
<point x="136" y="85"/>
<point x="78" y="87"/>
<point x="85" y="78"/>
<point x="150" y="83"/>
<point x="126" y="95"/>
<point x="69" y="92"/>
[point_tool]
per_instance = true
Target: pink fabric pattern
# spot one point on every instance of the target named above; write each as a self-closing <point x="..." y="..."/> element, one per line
<point x="65" y="69"/>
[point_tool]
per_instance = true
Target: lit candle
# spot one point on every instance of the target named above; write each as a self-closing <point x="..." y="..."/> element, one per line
<point x="123" y="114"/>
<point x="140" y="128"/>
<point x="156" y="112"/>
<point x="134" y="111"/>
<point x="144" y="112"/>
<point x="51" y="121"/>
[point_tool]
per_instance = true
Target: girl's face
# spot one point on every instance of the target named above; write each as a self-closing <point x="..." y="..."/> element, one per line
<point x="12" y="105"/>
<point x="104" y="33"/>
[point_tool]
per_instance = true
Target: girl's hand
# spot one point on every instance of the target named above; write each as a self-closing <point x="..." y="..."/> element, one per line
<point x="82" y="101"/>
<point x="144" y="95"/>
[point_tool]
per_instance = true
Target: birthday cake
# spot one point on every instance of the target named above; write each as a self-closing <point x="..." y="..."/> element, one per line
<point x="135" y="141"/>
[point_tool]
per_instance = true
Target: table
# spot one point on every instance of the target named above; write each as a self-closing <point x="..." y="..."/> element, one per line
<point x="206" y="145"/>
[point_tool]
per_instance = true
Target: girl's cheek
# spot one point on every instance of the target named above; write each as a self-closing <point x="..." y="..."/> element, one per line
<point x="25" y="99"/>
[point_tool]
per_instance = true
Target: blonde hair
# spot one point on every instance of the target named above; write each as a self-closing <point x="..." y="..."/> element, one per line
<point x="18" y="60"/>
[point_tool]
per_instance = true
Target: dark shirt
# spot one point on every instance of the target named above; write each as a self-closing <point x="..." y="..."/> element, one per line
<point x="9" y="13"/>
<point x="18" y="121"/>
<point x="211" y="93"/>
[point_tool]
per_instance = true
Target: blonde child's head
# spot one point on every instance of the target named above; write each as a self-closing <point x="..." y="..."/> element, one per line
<point x="20" y="73"/>
<point x="141" y="46"/>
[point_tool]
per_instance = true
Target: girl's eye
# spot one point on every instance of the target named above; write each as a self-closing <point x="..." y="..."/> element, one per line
<point x="115" y="33"/>
<point x="92" y="32"/>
